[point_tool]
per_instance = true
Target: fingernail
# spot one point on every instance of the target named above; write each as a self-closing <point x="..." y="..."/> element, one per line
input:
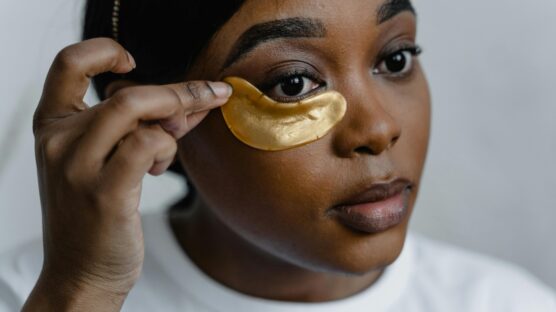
<point x="221" y="89"/>
<point x="131" y="60"/>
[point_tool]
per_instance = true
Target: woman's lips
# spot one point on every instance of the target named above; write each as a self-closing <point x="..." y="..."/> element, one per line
<point x="377" y="209"/>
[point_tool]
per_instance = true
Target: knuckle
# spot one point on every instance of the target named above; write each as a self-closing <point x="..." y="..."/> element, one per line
<point x="175" y="94"/>
<point x="168" y="145"/>
<point x="67" y="58"/>
<point x="50" y="147"/>
<point x="198" y="90"/>
<point x="152" y="139"/>
<point x="164" y="140"/>
<point x="123" y="100"/>
<point x="144" y="138"/>
<point x="172" y="143"/>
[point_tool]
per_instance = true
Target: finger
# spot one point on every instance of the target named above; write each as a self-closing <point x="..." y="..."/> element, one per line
<point x="200" y="97"/>
<point x="123" y="113"/>
<point x="69" y="75"/>
<point x="141" y="151"/>
<point x="199" y="94"/>
<point x="161" y="166"/>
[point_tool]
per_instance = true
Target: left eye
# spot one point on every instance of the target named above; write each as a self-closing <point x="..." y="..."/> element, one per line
<point x="398" y="63"/>
<point x="293" y="87"/>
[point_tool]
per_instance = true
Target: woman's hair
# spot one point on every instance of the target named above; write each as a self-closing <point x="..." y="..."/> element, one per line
<point x="164" y="36"/>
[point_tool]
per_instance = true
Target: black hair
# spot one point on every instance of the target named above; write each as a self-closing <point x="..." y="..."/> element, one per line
<point x="164" y="36"/>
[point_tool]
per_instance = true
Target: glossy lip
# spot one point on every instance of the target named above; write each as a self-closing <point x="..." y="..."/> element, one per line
<point x="376" y="209"/>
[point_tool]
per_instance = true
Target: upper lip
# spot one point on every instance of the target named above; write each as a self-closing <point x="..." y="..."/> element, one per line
<point x="376" y="192"/>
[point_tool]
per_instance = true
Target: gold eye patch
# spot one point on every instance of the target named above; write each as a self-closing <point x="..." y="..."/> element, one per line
<point x="262" y="123"/>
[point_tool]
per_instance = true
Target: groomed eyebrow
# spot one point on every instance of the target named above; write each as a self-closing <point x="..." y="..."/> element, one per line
<point x="391" y="8"/>
<point x="295" y="27"/>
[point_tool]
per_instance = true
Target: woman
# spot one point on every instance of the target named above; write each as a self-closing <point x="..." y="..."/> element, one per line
<point x="320" y="227"/>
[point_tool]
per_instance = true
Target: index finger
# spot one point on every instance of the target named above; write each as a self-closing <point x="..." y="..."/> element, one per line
<point x="70" y="73"/>
<point x="128" y="108"/>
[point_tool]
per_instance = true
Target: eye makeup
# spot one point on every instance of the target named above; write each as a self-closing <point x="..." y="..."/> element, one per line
<point x="265" y="124"/>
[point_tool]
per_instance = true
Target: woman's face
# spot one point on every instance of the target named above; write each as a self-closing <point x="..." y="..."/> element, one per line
<point x="286" y="202"/>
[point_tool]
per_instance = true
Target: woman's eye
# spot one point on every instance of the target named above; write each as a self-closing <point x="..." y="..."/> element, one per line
<point x="292" y="87"/>
<point x="397" y="64"/>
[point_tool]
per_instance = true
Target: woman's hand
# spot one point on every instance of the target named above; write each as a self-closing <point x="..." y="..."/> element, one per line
<point x="91" y="162"/>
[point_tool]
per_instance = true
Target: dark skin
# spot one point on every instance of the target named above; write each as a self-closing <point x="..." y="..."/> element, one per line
<point x="263" y="222"/>
<point x="266" y="213"/>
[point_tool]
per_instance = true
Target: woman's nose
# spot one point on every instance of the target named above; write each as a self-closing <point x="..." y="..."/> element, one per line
<point x="369" y="128"/>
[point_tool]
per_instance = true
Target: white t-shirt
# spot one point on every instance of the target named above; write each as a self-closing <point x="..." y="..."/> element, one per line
<point x="427" y="277"/>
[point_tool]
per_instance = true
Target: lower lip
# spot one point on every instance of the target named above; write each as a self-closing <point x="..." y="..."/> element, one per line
<point x="375" y="217"/>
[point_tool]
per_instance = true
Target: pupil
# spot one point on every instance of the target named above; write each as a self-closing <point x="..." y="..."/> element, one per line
<point x="396" y="63"/>
<point x="292" y="86"/>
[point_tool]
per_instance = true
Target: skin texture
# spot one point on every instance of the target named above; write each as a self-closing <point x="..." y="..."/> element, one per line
<point x="262" y="222"/>
<point x="267" y="214"/>
<point x="91" y="162"/>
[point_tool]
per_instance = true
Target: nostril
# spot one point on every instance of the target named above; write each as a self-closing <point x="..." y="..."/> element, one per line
<point x="375" y="150"/>
<point x="393" y="142"/>
<point x="364" y="150"/>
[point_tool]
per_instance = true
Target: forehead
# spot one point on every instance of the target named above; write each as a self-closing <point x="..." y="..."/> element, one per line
<point x="256" y="9"/>
<point x="346" y="19"/>
<point x="333" y="13"/>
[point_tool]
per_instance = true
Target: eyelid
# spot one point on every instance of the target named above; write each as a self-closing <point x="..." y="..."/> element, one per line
<point x="293" y="99"/>
<point x="414" y="49"/>
<point x="282" y="73"/>
<point x="303" y="71"/>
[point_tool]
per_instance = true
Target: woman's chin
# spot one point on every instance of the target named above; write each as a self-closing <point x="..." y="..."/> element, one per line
<point x="358" y="255"/>
<point x="374" y="254"/>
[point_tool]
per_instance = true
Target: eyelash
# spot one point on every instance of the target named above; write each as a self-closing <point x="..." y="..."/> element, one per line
<point x="413" y="49"/>
<point x="278" y="78"/>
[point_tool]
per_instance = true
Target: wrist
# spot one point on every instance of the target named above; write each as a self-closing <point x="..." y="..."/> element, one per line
<point x="56" y="293"/>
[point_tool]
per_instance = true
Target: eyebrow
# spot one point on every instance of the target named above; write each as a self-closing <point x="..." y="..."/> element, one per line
<point x="295" y="27"/>
<point x="391" y="8"/>
<point x="300" y="27"/>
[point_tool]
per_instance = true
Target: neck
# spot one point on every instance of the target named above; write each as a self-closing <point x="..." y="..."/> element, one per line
<point x="232" y="261"/>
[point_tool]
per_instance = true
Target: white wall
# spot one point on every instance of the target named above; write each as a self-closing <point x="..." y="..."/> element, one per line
<point x="491" y="178"/>
<point x="31" y="33"/>
<point x="490" y="175"/>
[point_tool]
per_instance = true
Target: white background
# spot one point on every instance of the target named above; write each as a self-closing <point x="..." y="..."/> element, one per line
<point x="490" y="180"/>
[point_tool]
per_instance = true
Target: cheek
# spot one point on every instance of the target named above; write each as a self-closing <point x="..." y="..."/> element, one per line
<point x="414" y="113"/>
<point x="278" y="201"/>
<point x="268" y="198"/>
<point x="420" y="122"/>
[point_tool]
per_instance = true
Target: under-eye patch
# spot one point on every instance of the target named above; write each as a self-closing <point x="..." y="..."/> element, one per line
<point x="262" y="123"/>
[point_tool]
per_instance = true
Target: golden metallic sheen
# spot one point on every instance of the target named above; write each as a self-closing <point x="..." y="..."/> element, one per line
<point x="262" y="123"/>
